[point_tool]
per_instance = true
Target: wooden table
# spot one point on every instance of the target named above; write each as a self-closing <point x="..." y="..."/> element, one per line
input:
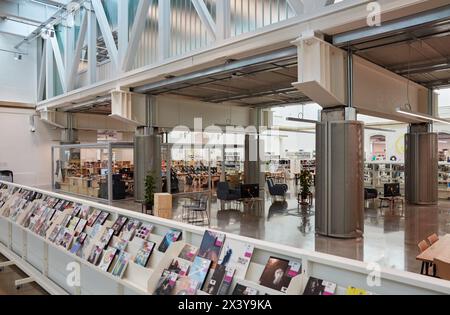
<point x="440" y="248"/>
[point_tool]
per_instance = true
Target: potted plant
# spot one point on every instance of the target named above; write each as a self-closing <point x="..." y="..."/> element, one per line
<point x="150" y="189"/>
<point x="305" y="184"/>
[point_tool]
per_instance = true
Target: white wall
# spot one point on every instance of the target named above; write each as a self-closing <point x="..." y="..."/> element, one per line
<point x="25" y="153"/>
<point x="17" y="77"/>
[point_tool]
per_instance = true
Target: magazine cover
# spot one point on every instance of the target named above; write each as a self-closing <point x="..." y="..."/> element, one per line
<point x="118" y="225"/>
<point x="107" y="259"/>
<point x="73" y="223"/>
<point x="199" y="270"/>
<point x="227" y="280"/>
<point x="66" y="221"/>
<point x="84" y="213"/>
<point x="67" y="239"/>
<point x="106" y="238"/>
<point x="102" y="218"/>
<point x="188" y="252"/>
<point x="95" y="255"/>
<point x="244" y="290"/>
<point x="214" y="284"/>
<point x="357" y="291"/>
<point x="144" y="231"/>
<point x="80" y="226"/>
<point x="78" y="243"/>
<point x="319" y="287"/>
<point x="166" y="283"/>
<point x="185" y="286"/>
<point x="121" y="245"/>
<point x="237" y="255"/>
<point x="143" y="255"/>
<point x="180" y="267"/>
<point x="278" y="273"/>
<point x="130" y="229"/>
<point x="121" y="264"/>
<point x="60" y="236"/>
<point x="170" y="237"/>
<point x="54" y="234"/>
<point x="93" y="217"/>
<point x="211" y="246"/>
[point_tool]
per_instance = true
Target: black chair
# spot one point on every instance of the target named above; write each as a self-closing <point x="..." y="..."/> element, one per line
<point x="227" y="195"/>
<point x="277" y="190"/>
<point x="7" y="176"/>
<point x="198" y="206"/>
<point x="370" y="194"/>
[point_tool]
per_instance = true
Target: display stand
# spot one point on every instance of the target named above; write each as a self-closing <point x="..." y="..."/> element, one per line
<point x="48" y="264"/>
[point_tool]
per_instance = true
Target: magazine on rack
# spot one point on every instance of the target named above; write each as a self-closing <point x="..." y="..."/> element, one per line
<point x="237" y="255"/>
<point x="211" y="246"/>
<point x="118" y="225"/>
<point x="166" y="283"/>
<point x="199" y="270"/>
<point x="121" y="264"/>
<point x="143" y="255"/>
<point x="188" y="252"/>
<point x="107" y="259"/>
<point x="144" y="231"/>
<point x="129" y="230"/>
<point x="319" y="287"/>
<point x="171" y="237"/>
<point x="278" y="273"/>
<point x="244" y="290"/>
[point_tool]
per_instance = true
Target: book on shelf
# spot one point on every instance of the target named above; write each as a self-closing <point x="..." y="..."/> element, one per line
<point x="227" y="280"/>
<point x="80" y="226"/>
<point x="186" y="286"/>
<point x="199" y="270"/>
<point x="166" y="283"/>
<point x="144" y="253"/>
<point x="180" y="267"/>
<point x="357" y="291"/>
<point x="107" y="258"/>
<point x="119" y="224"/>
<point x="188" y="252"/>
<point x="129" y="230"/>
<point x="73" y="223"/>
<point x="93" y="217"/>
<point x="237" y="255"/>
<point x="171" y="237"/>
<point x="278" y="273"/>
<point x="240" y="289"/>
<point x="95" y="255"/>
<point x="101" y="219"/>
<point x="121" y="264"/>
<point x="106" y="238"/>
<point x="144" y="231"/>
<point x="319" y="287"/>
<point x="211" y="246"/>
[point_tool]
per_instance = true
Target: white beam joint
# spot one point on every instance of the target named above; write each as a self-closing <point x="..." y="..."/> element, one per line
<point x="106" y="32"/>
<point x="205" y="17"/>
<point x="136" y="34"/>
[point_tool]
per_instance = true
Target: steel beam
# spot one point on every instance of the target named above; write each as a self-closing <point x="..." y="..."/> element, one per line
<point x="122" y="30"/>
<point x="164" y="18"/>
<point x="223" y="18"/>
<point x="106" y="32"/>
<point x="232" y="66"/>
<point x="136" y="34"/>
<point x="75" y="62"/>
<point x="59" y="61"/>
<point x="92" y="46"/>
<point x="49" y="71"/>
<point x="391" y="28"/>
<point x="205" y="17"/>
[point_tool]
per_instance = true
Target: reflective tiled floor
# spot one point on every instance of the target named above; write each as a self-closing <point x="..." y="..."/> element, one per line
<point x="390" y="237"/>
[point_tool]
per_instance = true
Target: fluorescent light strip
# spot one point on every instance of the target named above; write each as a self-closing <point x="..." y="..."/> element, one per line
<point x="425" y="117"/>
<point x="308" y="121"/>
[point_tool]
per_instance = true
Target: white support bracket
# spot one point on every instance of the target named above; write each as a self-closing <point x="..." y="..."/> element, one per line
<point x="205" y="17"/>
<point x="19" y="283"/>
<point x="6" y="264"/>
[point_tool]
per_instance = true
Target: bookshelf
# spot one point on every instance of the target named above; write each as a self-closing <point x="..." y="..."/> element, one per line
<point x="48" y="263"/>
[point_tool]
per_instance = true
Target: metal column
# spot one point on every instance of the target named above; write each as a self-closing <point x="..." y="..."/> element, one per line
<point x="340" y="174"/>
<point x="421" y="165"/>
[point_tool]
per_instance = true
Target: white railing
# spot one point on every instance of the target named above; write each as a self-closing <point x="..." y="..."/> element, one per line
<point x="49" y="262"/>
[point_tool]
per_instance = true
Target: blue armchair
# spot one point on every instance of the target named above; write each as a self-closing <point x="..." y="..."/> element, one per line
<point x="227" y="195"/>
<point x="277" y="190"/>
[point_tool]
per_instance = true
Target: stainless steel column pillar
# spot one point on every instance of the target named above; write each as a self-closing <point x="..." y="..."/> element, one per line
<point x="251" y="163"/>
<point x="147" y="153"/>
<point x="421" y="165"/>
<point x="340" y="174"/>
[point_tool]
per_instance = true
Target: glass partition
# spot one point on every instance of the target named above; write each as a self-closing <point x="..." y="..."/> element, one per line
<point x="89" y="169"/>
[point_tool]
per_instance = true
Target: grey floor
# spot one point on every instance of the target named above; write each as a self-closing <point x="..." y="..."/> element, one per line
<point x="390" y="238"/>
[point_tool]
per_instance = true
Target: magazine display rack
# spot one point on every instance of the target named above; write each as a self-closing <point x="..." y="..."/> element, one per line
<point x="52" y="266"/>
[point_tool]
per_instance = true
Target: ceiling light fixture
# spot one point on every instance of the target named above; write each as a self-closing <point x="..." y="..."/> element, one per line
<point x="308" y="121"/>
<point x="422" y="117"/>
